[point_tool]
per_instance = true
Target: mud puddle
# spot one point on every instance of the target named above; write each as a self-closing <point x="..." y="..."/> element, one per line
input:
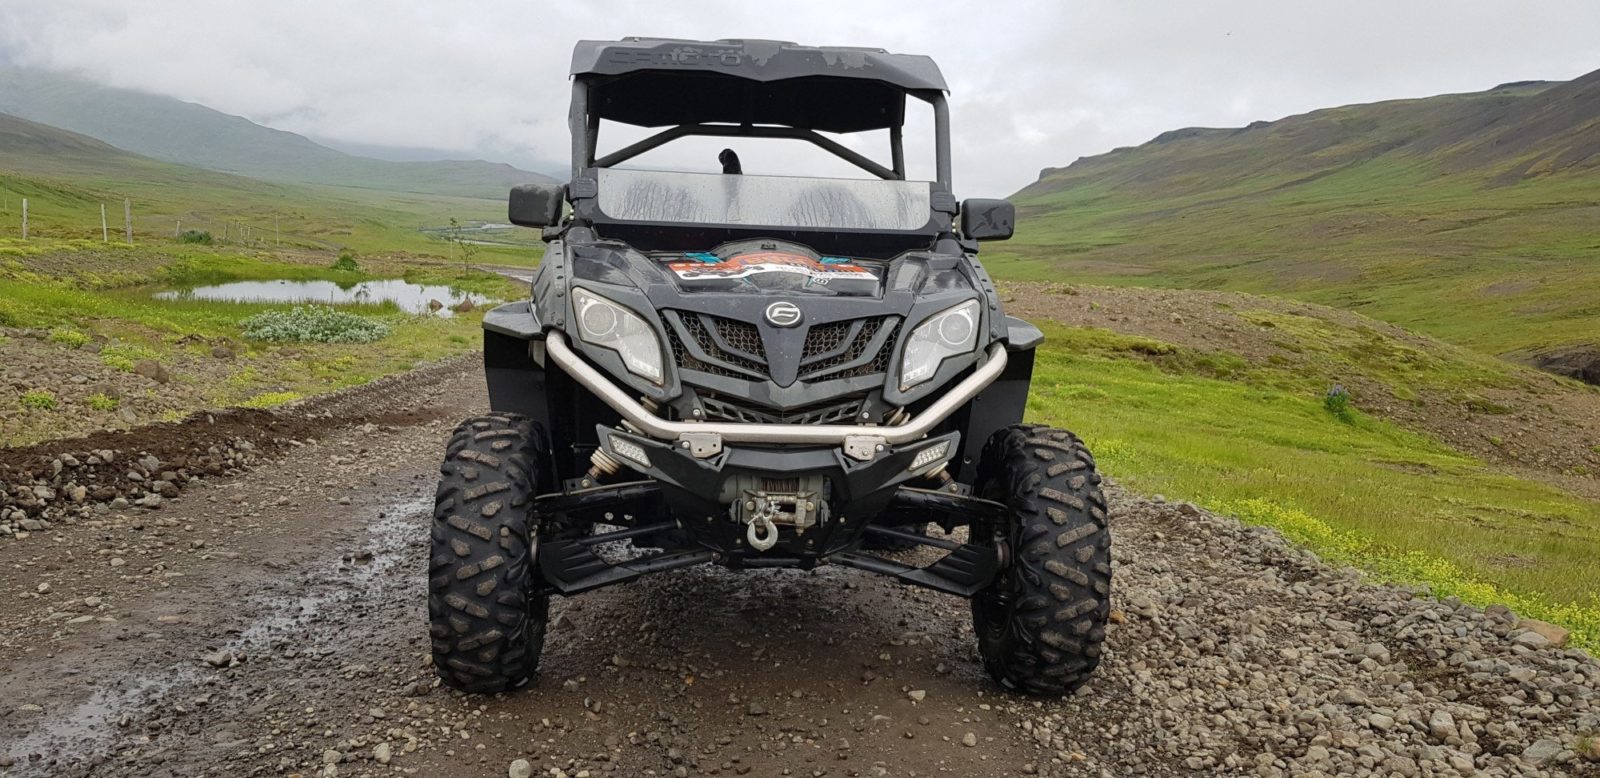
<point x="367" y="571"/>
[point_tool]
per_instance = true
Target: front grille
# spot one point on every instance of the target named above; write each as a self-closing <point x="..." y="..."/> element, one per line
<point x="825" y="339"/>
<point x="732" y="348"/>
<point x="832" y="412"/>
<point x="751" y="364"/>
<point x="831" y="351"/>
<point x="741" y="337"/>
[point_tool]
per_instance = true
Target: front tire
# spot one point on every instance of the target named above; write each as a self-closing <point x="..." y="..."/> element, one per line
<point x="485" y="609"/>
<point x="1041" y="623"/>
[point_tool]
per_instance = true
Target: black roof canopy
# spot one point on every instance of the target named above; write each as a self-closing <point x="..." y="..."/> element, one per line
<point x="655" y="82"/>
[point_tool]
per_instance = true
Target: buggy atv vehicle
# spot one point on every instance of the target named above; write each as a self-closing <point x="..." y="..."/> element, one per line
<point x="759" y="371"/>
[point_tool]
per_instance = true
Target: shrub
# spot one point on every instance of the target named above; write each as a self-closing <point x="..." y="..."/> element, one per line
<point x="346" y="262"/>
<point x="1337" y="402"/>
<point x="38" y="399"/>
<point x="123" y="356"/>
<point x="313" y="324"/>
<point x="103" y="402"/>
<point x="1484" y="406"/>
<point x="68" y="337"/>
<point x="195" y="236"/>
<point x="270" y="399"/>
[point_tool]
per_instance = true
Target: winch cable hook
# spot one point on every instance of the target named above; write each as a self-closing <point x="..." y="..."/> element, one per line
<point x="761" y="533"/>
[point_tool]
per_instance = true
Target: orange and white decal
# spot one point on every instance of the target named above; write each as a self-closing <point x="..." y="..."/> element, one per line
<point x="751" y="264"/>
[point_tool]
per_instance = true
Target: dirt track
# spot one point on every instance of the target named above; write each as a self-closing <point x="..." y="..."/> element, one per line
<point x="272" y="623"/>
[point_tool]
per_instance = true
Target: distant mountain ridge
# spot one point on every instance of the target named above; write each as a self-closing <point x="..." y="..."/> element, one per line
<point x="1471" y="217"/>
<point x="1517" y="129"/>
<point x="190" y="134"/>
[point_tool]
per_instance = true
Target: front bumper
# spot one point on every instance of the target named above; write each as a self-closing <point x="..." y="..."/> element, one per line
<point x="852" y="480"/>
<point x="705" y="439"/>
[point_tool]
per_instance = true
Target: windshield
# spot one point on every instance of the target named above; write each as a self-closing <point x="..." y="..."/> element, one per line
<point x="763" y="201"/>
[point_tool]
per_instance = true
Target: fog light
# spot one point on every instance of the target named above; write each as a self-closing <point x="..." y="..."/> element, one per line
<point x="629" y="450"/>
<point x="934" y="453"/>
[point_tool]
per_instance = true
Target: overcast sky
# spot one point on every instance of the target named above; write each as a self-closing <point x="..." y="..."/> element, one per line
<point x="1033" y="84"/>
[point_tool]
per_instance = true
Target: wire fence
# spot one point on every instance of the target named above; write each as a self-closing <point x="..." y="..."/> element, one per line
<point x="19" y="219"/>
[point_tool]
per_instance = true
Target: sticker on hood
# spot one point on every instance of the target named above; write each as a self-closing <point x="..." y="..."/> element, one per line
<point x="817" y="271"/>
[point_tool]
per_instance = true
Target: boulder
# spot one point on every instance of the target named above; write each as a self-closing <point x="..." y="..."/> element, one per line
<point x="1557" y="636"/>
<point x="153" y="370"/>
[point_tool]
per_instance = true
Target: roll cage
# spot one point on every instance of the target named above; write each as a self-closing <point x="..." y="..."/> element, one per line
<point x="752" y="89"/>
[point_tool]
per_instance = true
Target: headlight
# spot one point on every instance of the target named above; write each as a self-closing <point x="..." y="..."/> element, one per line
<point x="948" y="333"/>
<point x="608" y="325"/>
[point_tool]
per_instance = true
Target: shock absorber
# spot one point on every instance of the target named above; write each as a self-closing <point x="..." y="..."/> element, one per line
<point x="601" y="463"/>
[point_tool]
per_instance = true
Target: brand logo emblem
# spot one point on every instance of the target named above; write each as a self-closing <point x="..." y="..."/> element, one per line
<point x="783" y="314"/>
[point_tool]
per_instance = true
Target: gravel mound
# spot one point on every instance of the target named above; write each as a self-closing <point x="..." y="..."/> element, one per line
<point x="76" y="479"/>
<point x="1241" y="654"/>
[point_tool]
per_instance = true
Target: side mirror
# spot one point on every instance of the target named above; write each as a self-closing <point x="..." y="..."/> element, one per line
<point x="536" y="205"/>
<point x="983" y="219"/>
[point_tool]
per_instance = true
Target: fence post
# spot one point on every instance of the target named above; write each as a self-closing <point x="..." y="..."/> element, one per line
<point x="105" y="232"/>
<point x="127" y="218"/>
<point x="177" y="229"/>
<point x="24" y="218"/>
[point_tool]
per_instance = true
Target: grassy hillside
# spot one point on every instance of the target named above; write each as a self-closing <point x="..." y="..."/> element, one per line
<point x="1469" y="217"/>
<point x="1220" y="400"/>
<point x="189" y="134"/>
<point x="66" y="177"/>
<point x="86" y="344"/>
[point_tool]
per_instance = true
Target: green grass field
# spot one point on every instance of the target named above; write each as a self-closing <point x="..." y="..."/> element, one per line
<point x="1364" y="492"/>
<point x="119" y="310"/>
<point x="68" y="279"/>
<point x="1499" y="269"/>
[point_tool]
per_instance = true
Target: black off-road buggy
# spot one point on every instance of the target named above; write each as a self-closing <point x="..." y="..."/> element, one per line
<point x="762" y="371"/>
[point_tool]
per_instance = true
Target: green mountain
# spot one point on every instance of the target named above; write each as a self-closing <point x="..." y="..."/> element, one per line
<point x="67" y="177"/>
<point x="1471" y="217"/>
<point x="172" y="130"/>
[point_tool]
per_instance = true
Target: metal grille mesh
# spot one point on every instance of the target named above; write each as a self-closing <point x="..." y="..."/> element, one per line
<point x="745" y="355"/>
<point x="741" y="337"/>
<point x="824" y="338"/>
<point x="833" y="367"/>
<point x="726" y="364"/>
<point x="832" y="412"/>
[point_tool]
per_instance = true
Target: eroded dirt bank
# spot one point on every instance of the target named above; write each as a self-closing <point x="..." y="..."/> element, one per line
<point x="272" y="623"/>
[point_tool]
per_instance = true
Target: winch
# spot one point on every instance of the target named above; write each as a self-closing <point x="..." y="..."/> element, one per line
<point x="762" y="504"/>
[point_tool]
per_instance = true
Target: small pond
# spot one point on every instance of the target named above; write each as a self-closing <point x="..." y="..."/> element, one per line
<point x="409" y="297"/>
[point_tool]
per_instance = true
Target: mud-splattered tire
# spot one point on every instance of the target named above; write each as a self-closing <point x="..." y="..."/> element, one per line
<point x="1041" y="624"/>
<point x="486" y="616"/>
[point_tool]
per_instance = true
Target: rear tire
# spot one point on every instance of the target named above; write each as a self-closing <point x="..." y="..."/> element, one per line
<point x="1041" y="623"/>
<point x="485" y="608"/>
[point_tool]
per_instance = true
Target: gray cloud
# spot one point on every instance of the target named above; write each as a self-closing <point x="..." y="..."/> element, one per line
<point x="1033" y="84"/>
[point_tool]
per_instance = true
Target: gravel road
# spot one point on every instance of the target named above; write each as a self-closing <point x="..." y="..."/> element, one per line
<point x="269" y="620"/>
